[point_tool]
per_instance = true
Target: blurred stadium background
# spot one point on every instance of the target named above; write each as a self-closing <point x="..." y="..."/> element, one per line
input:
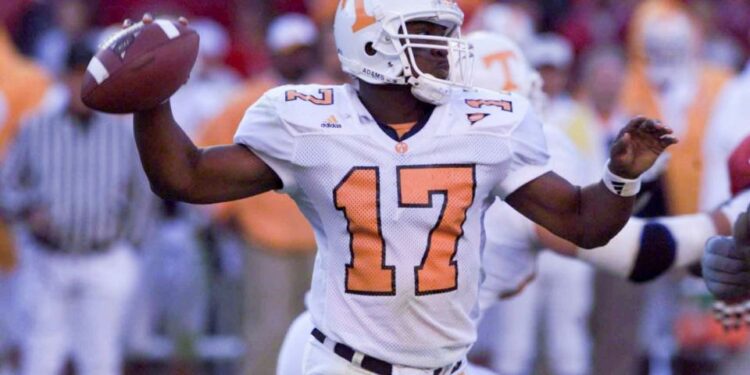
<point x="217" y="287"/>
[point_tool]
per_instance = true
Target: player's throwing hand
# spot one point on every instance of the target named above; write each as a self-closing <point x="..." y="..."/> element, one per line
<point x="638" y="146"/>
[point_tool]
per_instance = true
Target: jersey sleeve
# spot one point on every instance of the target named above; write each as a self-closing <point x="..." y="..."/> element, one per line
<point x="529" y="159"/>
<point x="264" y="132"/>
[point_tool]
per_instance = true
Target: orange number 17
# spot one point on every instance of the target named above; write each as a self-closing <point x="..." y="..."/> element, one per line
<point x="358" y="196"/>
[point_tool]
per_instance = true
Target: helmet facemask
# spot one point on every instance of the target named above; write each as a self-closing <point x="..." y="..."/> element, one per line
<point x="425" y="86"/>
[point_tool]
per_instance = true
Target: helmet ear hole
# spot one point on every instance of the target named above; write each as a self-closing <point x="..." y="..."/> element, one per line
<point x="369" y="50"/>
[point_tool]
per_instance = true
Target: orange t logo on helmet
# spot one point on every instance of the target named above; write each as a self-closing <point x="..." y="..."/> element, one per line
<point x="502" y="58"/>
<point x="363" y="19"/>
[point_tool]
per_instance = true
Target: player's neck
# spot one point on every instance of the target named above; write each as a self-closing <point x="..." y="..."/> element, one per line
<point x="392" y="104"/>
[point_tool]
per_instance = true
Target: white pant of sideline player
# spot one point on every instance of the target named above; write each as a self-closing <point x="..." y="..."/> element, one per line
<point x="562" y="294"/>
<point x="298" y="340"/>
<point x="75" y="306"/>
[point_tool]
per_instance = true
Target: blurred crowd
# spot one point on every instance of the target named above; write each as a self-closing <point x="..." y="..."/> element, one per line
<point x="212" y="289"/>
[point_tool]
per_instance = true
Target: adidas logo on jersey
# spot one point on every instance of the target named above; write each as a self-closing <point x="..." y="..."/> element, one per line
<point x="331" y="123"/>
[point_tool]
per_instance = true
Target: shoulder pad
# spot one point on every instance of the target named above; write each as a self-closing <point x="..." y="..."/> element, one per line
<point x="309" y="108"/>
<point x="302" y="96"/>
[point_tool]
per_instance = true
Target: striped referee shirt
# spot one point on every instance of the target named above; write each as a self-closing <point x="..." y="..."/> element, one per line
<point x="86" y="177"/>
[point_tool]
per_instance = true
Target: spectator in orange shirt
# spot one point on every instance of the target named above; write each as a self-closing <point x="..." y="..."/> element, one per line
<point x="22" y="88"/>
<point x="669" y="80"/>
<point x="24" y="85"/>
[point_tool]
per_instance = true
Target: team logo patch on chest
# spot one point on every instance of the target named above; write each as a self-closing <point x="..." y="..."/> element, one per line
<point x="402" y="148"/>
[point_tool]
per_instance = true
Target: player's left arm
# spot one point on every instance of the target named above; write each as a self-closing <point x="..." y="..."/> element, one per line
<point x="591" y="216"/>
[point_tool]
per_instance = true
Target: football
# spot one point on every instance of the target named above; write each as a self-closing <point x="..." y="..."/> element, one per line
<point x="140" y="67"/>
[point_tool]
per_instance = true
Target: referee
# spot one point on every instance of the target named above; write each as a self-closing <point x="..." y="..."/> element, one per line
<point x="74" y="182"/>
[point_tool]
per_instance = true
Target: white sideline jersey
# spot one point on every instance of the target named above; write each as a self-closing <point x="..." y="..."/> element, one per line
<point x="510" y="254"/>
<point x="398" y="225"/>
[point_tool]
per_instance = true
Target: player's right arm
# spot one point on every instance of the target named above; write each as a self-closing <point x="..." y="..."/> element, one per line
<point x="178" y="170"/>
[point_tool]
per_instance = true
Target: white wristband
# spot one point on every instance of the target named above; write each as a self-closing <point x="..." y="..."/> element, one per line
<point x="621" y="186"/>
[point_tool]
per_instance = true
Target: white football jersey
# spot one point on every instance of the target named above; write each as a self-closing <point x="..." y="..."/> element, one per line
<point x="509" y="258"/>
<point x="398" y="224"/>
<point x="722" y="136"/>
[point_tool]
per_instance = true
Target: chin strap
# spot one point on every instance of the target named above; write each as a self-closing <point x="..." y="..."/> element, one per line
<point x="428" y="89"/>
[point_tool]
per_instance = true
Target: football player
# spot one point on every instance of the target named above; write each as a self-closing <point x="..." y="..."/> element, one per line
<point x="641" y="252"/>
<point x="726" y="262"/>
<point x="395" y="174"/>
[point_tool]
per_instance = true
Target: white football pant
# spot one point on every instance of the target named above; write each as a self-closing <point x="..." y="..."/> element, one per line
<point x="75" y="306"/>
<point x="562" y="294"/>
<point x="292" y="353"/>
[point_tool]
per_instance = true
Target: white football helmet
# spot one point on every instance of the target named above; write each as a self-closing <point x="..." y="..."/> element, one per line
<point x="499" y="65"/>
<point x="375" y="46"/>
